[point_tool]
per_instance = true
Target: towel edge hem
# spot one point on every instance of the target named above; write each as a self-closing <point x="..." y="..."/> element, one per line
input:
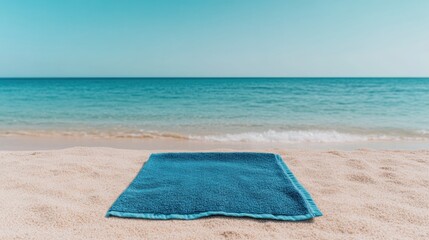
<point x="314" y="210"/>
<point x="112" y="213"/>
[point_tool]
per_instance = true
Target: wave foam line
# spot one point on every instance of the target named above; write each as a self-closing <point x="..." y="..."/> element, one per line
<point x="99" y="134"/>
<point x="270" y="136"/>
<point x="298" y="136"/>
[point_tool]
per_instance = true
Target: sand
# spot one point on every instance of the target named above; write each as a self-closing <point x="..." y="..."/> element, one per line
<point x="64" y="194"/>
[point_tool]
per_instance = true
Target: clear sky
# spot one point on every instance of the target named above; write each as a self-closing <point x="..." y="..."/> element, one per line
<point x="214" y="38"/>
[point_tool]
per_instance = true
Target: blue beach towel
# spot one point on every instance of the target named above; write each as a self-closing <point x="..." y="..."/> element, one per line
<point x="194" y="185"/>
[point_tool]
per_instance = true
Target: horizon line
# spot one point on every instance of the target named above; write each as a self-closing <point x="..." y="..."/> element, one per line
<point x="180" y="77"/>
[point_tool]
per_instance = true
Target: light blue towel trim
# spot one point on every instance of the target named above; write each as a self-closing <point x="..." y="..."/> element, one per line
<point x="311" y="206"/>
<point x="206" y="214"/>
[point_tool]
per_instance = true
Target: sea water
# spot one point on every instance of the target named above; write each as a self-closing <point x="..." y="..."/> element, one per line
<point x="284" y="110"/>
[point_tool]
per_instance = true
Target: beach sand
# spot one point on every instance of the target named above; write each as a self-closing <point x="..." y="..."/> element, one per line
<point x="64" y="194"/>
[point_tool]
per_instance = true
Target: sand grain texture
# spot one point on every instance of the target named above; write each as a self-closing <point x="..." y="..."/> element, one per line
<point x="64" y="194"/>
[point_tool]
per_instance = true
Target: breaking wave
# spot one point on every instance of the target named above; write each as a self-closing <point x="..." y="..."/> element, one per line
<point x="300" y="136"/>
<point x="270" y="136"/>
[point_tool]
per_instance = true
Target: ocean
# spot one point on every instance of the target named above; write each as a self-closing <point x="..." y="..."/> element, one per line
<point x="281" y="110"/>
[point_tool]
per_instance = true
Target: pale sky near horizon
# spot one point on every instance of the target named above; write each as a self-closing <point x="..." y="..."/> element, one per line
<point x="214" y="38"/>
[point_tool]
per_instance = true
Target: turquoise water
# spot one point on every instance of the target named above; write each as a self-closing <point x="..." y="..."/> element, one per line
<point x="222" y="109"/>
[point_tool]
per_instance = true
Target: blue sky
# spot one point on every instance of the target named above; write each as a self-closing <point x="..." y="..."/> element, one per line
<point x="214" y="38"/>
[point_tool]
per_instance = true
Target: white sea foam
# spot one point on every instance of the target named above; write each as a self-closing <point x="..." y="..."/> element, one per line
<point x="270" y="136"/>
<point x="423" y="132"/>
<point x="297" y="136"/>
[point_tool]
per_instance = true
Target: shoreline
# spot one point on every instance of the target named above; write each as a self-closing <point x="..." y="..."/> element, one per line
<point x="65" y="193"/>
<point x="25" y="143"/>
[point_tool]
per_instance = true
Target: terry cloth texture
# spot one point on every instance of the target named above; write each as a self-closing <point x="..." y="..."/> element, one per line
<point x="194" y="185"/>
